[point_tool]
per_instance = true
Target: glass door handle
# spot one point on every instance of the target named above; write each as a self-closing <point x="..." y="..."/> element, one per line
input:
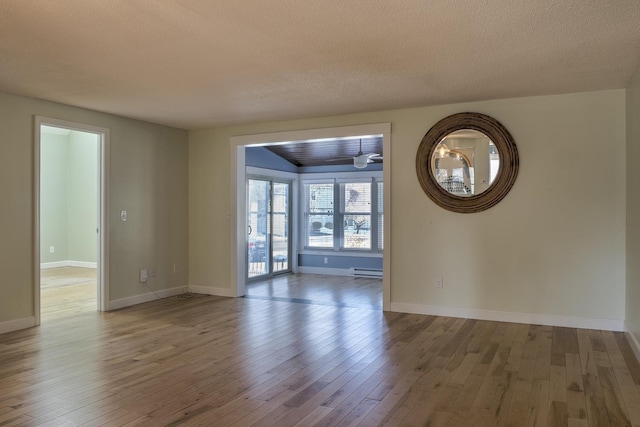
<point x="250" y="229"/>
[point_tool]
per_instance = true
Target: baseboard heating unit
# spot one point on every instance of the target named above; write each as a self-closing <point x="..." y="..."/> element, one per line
<point x="365" y="272"/>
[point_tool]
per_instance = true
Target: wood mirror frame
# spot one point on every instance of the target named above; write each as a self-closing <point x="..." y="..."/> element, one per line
<point x="507" y="171"/>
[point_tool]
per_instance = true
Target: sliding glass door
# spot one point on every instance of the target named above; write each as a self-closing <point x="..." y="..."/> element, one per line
<point x="268" y="227"/>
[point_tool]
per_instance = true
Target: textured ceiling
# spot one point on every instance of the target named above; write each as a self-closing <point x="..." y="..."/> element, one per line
<point x="205" y="63"/>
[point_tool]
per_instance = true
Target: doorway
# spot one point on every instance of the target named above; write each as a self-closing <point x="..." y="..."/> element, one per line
<point x="268" y="227"/>
<point x="240" y="217"/>
<point x="70" y="200"/>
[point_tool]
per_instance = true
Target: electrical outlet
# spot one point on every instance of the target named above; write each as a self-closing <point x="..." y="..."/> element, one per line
<point x="143" y="275"/>
<point x="175" y="268"/>
<point x="123" y="215"/>
<point x="326" y="260"/>
<point x="439" y="281"/>
<point x="52" y="249"/>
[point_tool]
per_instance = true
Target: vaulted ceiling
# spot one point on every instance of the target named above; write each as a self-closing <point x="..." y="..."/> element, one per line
<point x="207" y="63"/>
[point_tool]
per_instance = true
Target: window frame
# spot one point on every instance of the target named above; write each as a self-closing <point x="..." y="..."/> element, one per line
<point x="306" y="214"/>
<point x="374" y="178"/>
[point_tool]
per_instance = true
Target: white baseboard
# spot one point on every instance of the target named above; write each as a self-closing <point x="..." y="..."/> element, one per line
<point x="83" y="264"/>
<point x="322" y="270"/>
<point x="504" y="316"/>
<point x="17" y="324"/>
<point x="54" y="264"/>
<point x="633" y="341"/>
<point x="151" y="296"/>
<point x="210" y="290"/>
<point x="68" y="263"/>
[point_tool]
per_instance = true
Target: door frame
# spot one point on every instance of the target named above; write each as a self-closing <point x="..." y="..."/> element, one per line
<point x="237" y="145"/>
<point x="103" y="203"/>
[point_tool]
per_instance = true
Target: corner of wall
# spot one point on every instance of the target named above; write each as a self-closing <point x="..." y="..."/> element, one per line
<point x="633" y="341"/>
<point x="632" y="270"/>
<point x="17" y="324"/>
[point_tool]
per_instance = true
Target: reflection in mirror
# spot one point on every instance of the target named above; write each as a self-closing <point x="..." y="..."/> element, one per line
<point x="465" y="162"/>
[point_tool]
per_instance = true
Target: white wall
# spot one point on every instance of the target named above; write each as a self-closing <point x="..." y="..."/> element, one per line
<point x="148" y="177"/>
<point x="633" y="211"/>
<point x="554" y="246"/>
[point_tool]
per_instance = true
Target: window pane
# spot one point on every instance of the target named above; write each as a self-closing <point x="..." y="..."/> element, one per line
<point x="356" y="201"/>
<point x="357" y="231"/>
<point x="280" y="237"/>
<point x="357" y="196"/>
<point x="320" y="215"/>
<point x="320" y="231"/>
<point x="259" y="226"/>
<point x="320" y="198"/>
<point x="380" y="216"/>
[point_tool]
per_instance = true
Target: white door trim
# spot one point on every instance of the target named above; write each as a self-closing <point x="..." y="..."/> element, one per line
<point x="238" y="192"/>
<point x="103" y="204"/>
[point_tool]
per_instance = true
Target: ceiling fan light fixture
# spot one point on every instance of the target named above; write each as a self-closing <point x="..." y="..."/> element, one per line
<point x="360" y="162"/>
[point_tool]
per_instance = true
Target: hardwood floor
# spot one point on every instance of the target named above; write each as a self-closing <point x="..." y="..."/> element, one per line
<point x="213" y="361"/>
<point x="67" y="291"/>
<point x="362" y="292"/>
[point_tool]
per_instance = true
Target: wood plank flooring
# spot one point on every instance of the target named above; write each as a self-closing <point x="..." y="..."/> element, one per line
<point x="67" y="291"/>
<point x="211" y="361"/>
<point x="363" y="292"/>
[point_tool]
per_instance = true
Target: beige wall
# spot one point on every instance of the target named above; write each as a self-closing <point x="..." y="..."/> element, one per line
<point x="148" y="178"/>
<point x="633" y="207"/>
<point x="554" y="246"/>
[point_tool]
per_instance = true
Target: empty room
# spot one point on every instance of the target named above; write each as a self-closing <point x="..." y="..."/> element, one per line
<point x="320" y="213"/>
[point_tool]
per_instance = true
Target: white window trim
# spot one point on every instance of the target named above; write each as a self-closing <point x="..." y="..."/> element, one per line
<point x="374" y="177"/>
<point x="345" y="253"/>
<point x="272" y="173"/>
<point x="340" y="176"/>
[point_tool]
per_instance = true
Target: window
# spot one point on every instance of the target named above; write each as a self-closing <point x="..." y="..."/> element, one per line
<point x="355" y="225"/>
<point x="320" y="215"/>
<point x="355" y="201"/>
<point x="380" y="204"/>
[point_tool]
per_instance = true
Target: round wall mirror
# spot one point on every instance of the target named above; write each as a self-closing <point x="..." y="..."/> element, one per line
<point x="467" y="162"/>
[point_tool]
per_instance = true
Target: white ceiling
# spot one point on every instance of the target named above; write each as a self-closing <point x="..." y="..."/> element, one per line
<point x="206" y="63"/>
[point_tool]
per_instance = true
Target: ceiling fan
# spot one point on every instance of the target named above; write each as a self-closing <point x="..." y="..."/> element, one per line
<point x="361" y="160"/>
